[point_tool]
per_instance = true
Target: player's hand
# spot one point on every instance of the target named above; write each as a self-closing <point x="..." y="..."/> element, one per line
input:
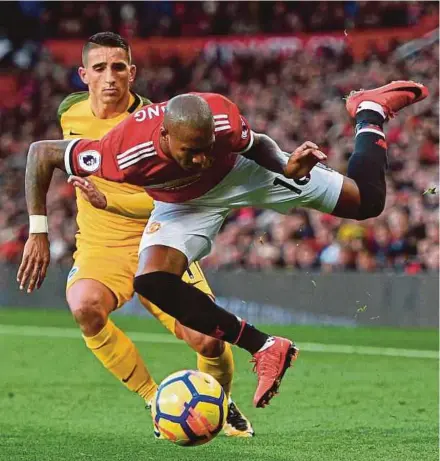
<point x="36" y="258"/>
<point x="302" y="160"/>
<point x="89" y="191"/>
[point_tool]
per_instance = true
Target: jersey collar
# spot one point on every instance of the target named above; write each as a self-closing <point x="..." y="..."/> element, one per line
<point x="136" y="103"/>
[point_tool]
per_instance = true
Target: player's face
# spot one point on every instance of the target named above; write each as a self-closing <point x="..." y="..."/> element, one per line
<point x="108" y="74"/>
<point x="191" y="149"/>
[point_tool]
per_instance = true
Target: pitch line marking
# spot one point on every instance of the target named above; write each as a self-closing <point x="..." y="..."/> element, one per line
<point x="167" y="338"/>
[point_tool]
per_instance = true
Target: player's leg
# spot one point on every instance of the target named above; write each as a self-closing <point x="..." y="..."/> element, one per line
<point x="364" y="189"/>
<point x="213" y="355"/>
<point x="95" y="289"/>
<point x="361" y="194"/>
<point x="159" y="280"/>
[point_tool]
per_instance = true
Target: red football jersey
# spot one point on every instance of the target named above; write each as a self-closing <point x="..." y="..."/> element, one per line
<point x="131" y="153"/>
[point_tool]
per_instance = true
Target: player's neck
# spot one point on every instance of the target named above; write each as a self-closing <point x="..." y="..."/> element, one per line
<point x="104" y="111"/>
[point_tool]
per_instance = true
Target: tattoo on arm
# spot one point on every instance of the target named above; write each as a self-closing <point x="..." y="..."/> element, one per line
<point x="43" y="158"/>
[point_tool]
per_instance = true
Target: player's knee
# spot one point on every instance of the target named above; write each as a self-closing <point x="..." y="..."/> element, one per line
<point x="88" y="312"/>
<point x="371" y="209"/>
<point x="372" y="199"/>
<point x="89" y="309"/>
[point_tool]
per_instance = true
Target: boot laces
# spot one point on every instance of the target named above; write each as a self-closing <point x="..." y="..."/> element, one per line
<point x="266" y="365"/>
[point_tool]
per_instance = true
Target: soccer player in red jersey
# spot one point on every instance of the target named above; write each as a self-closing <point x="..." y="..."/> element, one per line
<point x="198" y="158"/>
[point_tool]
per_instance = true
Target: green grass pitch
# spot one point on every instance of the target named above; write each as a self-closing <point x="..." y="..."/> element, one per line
<point x="58" y="403"/>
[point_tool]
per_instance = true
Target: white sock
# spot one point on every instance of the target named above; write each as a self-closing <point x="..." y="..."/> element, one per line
<point x="269" y="342"/>
<point x="370" y="105"/>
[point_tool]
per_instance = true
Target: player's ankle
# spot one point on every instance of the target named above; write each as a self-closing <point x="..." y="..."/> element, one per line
<point x="370" y="112"/>
<point x="251" y="339"/>
<point x="270" y="341"/>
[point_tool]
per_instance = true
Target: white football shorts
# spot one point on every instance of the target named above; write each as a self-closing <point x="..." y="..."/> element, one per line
<point x="191" y="226"/>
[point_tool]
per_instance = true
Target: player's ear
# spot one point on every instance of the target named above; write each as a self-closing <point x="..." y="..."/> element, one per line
<point x="83" y="75"/>
<point x="133" y="71"/>
<point x="163" y="132"/>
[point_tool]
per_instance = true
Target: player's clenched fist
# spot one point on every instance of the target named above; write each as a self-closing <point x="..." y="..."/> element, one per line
<point x="36" y="258"/>
<point x="302" y="160"/>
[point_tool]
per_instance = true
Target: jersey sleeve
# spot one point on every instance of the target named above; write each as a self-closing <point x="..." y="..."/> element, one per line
<point x="84" y="157"/>
<point x="233" y="125"/>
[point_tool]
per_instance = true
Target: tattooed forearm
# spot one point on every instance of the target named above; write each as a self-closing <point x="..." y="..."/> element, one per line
<point x="43" y="158"/>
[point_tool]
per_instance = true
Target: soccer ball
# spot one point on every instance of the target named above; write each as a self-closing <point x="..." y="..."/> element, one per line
<point x="189" y="408"/>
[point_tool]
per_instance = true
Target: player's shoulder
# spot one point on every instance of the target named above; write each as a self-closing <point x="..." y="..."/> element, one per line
<point x="226" y="114"/>
<point x="217" y="101"/>
<point x="72" y="101"/>
<point x="144" y="101"/>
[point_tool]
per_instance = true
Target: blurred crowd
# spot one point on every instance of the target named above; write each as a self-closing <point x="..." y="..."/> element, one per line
<point x="45" y="20"/>
<point x="292" y="99"/>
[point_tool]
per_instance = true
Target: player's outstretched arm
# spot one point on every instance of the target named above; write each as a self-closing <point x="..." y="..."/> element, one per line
<point x="43" y="158"/>
<point x="266" y="152"/>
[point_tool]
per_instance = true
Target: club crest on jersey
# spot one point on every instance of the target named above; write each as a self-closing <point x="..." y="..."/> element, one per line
<point x="89" y="160"/>
<point x="152" y="228"/>
<point x="72" y="272"/>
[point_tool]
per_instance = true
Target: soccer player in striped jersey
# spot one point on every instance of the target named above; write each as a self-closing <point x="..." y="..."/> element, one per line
<point x="197" y="156"/>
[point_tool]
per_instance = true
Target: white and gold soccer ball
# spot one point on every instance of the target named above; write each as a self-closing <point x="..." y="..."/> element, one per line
<point x="189" y="408"/>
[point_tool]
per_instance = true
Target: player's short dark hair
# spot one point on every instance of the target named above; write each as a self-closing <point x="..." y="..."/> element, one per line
<point x="189" y="110"/>
<point x="107" y="39"/>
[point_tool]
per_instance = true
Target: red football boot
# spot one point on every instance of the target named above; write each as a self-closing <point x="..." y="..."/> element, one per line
<point x="270" y="366"/>
<point x="392" y="97"/>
